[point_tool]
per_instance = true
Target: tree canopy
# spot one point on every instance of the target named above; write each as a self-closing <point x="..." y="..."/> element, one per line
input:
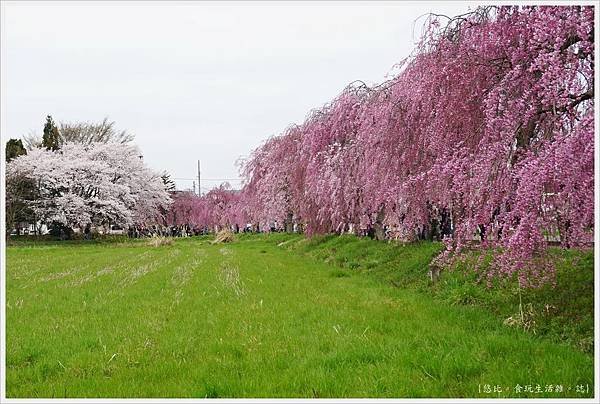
<point x="95" y="183"/>
<point x="487" y="132"/>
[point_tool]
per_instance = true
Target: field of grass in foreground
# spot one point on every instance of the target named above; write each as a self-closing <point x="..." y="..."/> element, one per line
<point x="256" y="319"/>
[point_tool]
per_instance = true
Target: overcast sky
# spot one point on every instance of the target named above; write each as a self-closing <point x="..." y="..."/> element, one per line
<point x="195" y="80"/>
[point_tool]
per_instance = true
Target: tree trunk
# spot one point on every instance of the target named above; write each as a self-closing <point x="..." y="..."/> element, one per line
<point x="289" y="223"/>
<point x="378" y="225"/>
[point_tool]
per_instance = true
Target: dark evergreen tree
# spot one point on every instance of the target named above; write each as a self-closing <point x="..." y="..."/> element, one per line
<point x="168" y="181"/>
<point x="51" y="138"/>
<point x="14" y="148"/>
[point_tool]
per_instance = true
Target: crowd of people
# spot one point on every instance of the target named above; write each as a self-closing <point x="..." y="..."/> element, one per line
<point x="139" y="231"/>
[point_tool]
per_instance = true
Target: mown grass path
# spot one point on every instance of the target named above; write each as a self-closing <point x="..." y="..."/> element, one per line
<point x="251" y="319"/>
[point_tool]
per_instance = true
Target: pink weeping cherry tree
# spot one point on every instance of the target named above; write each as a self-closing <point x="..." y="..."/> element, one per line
<point x="486" y="133"/>
<point x="189" y="209"/>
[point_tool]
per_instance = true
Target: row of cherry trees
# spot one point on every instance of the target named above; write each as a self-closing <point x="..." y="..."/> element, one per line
<point x="220" y="208"/>
<point x="487" y="129"/>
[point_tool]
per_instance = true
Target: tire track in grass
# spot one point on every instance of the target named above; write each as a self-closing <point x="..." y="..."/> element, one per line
<point x="128" y="342"/>
<point x="145" y="344"/>
<point x="126" y="268"/>
<point x="182" y="274"/>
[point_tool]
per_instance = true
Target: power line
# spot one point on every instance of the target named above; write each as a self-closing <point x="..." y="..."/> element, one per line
<point x="208" y="179"/>
<point x="207" y="189"/>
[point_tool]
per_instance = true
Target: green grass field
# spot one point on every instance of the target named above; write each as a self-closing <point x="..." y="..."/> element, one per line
<point x="278" y="316"/>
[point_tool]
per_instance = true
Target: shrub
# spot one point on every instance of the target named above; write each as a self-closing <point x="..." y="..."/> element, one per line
<point x="159" y="241"/>
<point x="224" y="236"/>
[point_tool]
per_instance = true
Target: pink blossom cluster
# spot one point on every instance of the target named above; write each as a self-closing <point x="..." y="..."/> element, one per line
<point x="222" y="207"/>
<point x="489" y="123"/>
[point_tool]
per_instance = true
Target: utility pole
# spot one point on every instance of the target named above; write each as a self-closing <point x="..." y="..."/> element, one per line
<point x="194" y="186"/>
<point x="199" y="187"/>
